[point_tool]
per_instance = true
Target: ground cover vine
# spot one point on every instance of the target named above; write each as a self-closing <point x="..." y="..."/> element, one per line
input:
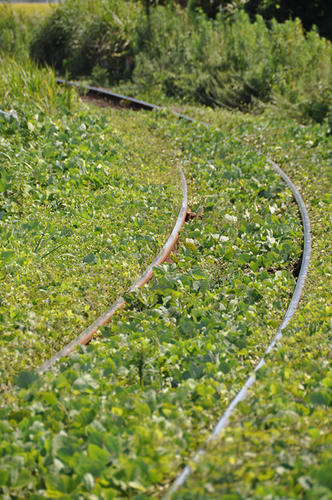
<point x="84" y="209"/>
<point x="119" y="419"/>
<point x="279" y="442"/>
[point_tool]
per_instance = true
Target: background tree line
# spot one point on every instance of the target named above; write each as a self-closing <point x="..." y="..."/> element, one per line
<point x="311" y="12"/>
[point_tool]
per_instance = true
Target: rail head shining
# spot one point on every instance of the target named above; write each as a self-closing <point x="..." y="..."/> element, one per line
<point x="243" y="392"/>
<point x="223" y="422"/>
<point x="86" y="335"/>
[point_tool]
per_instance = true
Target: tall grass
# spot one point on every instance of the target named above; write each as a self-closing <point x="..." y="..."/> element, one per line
<point x="18" y="23"/>
<point x="29" y="89"/>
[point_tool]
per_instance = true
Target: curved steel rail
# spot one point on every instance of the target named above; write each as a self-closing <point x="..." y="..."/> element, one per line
<point x="86" y="335"/>
<point x="242" y="394"/>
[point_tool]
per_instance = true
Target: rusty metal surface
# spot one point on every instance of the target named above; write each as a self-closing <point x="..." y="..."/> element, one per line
<point x="86" y="335"/>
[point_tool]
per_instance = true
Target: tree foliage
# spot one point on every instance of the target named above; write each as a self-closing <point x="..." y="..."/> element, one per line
<point x="311" y="12"/>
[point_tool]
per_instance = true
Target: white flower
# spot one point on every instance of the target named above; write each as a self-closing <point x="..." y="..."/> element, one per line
<point x="230" y="218"/>
<point x="13" y="113"/>
<point x="223" y="238"/>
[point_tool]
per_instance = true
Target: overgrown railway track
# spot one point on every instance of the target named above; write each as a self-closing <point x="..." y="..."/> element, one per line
<point x="242" y="394"/>
<point x="87" y="334"/>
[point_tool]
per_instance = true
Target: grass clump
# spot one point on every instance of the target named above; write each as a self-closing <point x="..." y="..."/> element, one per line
<point x="26" y="87"/>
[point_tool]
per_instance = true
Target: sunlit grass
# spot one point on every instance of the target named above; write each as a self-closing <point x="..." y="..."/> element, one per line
<point x="18" y="23"/>
<point x="30" y="9"/>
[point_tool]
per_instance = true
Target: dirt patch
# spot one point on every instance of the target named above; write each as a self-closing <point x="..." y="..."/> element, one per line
<point x="102" y="102"/>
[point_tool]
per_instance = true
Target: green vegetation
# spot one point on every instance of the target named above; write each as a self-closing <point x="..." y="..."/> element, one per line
<point x="279" y="442"/>
<point x="82" y="36"/>
<point x="85" y="193"/>
<point x="236" y="63"/>
<point x="118" y="419"/>
<point x="229" y="61"/>
<point x="18" y="23"/>
<point x="84" y="207"/>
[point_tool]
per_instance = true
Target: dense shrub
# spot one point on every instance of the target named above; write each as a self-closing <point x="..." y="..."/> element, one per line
<point x="54" y="43"/>
<point x="81" y="35"/>
<point x="237" y="63"/>
<point x="227" y="61"/>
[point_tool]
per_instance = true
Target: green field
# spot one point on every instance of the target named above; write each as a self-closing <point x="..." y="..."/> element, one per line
<point x="88" y="196"/>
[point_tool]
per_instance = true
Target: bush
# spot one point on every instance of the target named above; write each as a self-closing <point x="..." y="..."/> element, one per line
<point x="55" y="41"/>
<point x="104" y="44"/>
<point x="230" y="62"/>
<point x="237" y="63"/>
<point x="79" y="36"/>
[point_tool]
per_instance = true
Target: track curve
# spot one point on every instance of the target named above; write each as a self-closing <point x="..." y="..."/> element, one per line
<point x="86" y="335"/>
<point x="242" y="394"/>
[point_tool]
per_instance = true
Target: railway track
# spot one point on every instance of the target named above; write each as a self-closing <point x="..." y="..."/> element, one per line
<point x="242" y="394"/>
<point x="88" y="333"/>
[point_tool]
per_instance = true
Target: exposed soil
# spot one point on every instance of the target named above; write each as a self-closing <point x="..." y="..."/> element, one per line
<point x="102" y="102"/>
